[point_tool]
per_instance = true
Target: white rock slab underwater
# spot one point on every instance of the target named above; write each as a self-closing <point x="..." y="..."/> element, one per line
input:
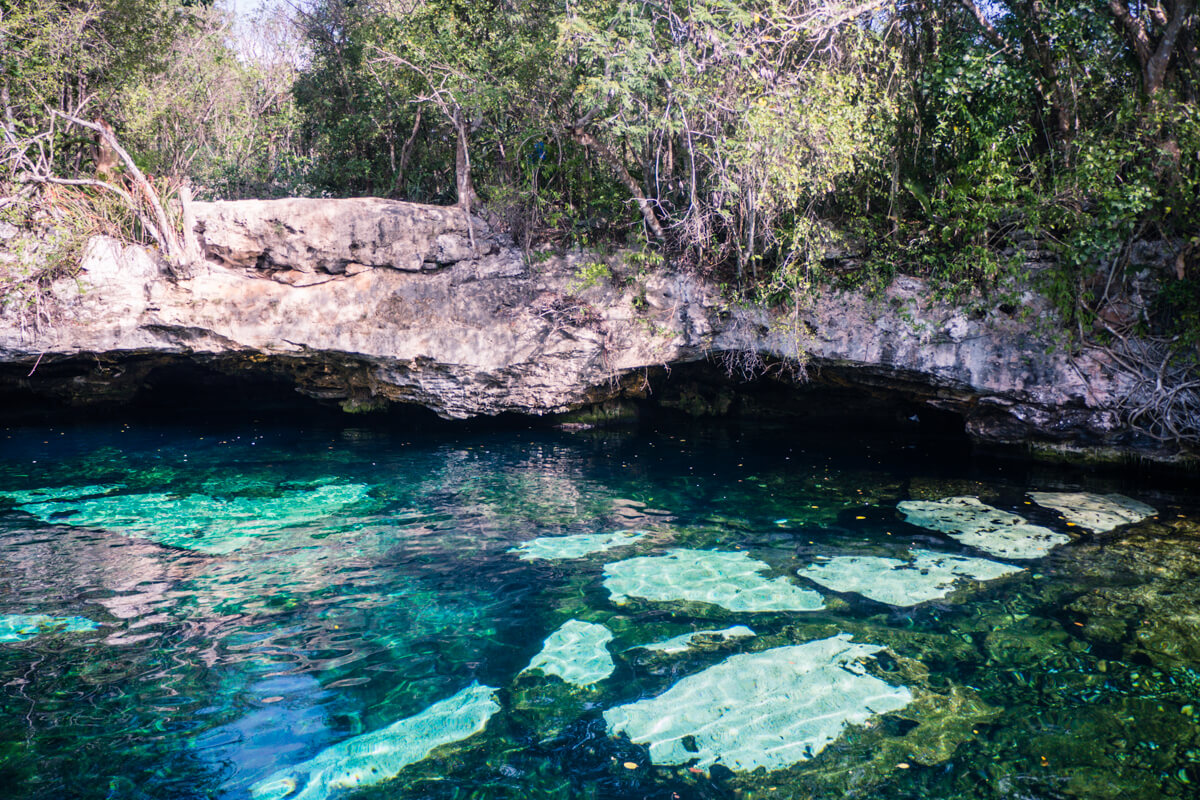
<point x="761" y="710"/>
<point x="557" y="548"/>
<point x="924" y="576"/>
<point x="681" y="644"/>
<point x="375" y="757"/>
<point x="577" y="652"/>
<point x="200" y="522"/>
<point x="730" y="580"/>
<point x="1097" y="512"/>
<point x="983" y="527"/>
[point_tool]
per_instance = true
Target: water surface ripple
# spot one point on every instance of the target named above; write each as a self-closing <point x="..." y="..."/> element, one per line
<point x="264" y="594"/>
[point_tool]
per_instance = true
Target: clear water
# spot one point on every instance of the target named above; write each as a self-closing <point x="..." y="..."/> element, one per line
<point x="214" y="666"/>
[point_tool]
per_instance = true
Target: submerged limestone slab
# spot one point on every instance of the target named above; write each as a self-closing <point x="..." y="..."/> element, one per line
<point x="983" y="527"/>
<point x="556" y="548"/>
<point x="924" y="576"/>
<point x="1097" y="512"/>
<point x="200" y="522"/>
<point x="57" y="494"/>
<point x="730" y="580"/>
<point x="19" y="627"/>
<point x="680" y="644"/>
<point x="375" y="757"/>
<point x="577" y="652"/>
<point x="770" y="709"/>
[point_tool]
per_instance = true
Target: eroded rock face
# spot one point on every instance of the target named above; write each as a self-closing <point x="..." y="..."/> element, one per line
<point x="368" y="301"/>
<point x="297" y="237"/>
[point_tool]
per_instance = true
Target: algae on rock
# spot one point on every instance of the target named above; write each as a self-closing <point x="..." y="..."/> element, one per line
<point x="577" y="652"/>
<point x="983" y="527"/>
<point x="375" y="757"/>
<point x="925" y="576"/>
<point x="555" y="548"/>
<point x="1097" y="512"/>
<point x="730" y="580"/>
<point x="769" y="709"/>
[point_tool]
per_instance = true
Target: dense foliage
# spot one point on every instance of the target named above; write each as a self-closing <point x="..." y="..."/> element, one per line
<point x="765" y="142"/>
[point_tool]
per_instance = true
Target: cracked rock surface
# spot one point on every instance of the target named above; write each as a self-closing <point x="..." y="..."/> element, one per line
<point x="369" y="301"/>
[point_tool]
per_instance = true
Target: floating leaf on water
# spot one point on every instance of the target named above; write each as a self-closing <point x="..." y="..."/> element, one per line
<point x="565" y="547"/>
<point x="983" y="527"/>
<point x="375" y="757"/>
<point x="19" y="627"/>
<point x="577" y="652"/>
<point x="770" y="709"/>
<point x="680" y="644"/>
<point x="925" y="576"/>
<point x="1099" y="512"/>
<point x="730" y="580"/>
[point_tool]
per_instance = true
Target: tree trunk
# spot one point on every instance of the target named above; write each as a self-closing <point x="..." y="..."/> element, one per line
<point x="647" y="208"/>
<point x="462" y="173"/>
<point x="1153" y="57"/>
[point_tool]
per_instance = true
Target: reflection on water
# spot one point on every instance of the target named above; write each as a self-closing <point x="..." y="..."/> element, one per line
<point x="216" y="613"/>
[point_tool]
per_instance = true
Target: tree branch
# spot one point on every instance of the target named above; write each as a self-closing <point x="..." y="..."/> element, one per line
<point x="647" y="208"/>
<point x="169" y="242"/>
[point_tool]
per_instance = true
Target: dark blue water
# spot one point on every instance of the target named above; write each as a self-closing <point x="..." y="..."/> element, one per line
<point x="263" y="593"/>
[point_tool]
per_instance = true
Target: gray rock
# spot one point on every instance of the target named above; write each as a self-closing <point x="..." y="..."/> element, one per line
<point x="368" y="301"/>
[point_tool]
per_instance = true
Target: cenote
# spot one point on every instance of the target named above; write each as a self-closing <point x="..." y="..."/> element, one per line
<point x="226" y="608"/>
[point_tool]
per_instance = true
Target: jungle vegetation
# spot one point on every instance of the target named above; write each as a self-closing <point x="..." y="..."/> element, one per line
<point x="769" y="144"/>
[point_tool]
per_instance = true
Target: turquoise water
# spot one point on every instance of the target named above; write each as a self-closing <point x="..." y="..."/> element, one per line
<point x="260" y="595"/>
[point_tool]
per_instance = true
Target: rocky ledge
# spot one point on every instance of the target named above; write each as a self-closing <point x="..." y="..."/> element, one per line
<point x="368" y="302"/>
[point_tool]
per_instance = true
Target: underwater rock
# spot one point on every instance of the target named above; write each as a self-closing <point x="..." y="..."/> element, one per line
<point x="566" y="547"/>
<point x="680" y="644"/>
<point x="729" y="580"/>
<point x="1098" y="512"/>
<point x="769" y="709"/>
<point x="59" y="494"/>
<point x="983" y="527"/>
<point x="199" y="522"/>
<point x="1160" y="619"/>
<point x="925" y="576"/>
<point x="19" y="627"/>
<point x="577" y="652"/>
<point x="375" y="757"/>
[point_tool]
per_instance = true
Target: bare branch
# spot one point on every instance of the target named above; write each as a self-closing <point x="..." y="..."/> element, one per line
<point x="168" y="241"/>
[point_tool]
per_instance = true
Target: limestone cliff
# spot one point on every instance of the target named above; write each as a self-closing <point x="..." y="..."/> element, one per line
<point x="368" y="301"/>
